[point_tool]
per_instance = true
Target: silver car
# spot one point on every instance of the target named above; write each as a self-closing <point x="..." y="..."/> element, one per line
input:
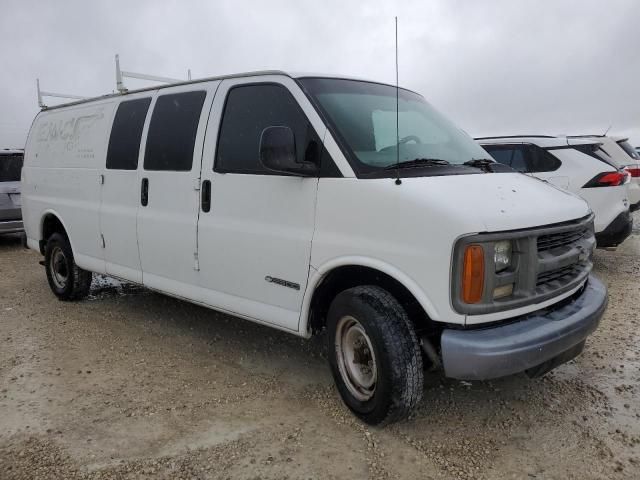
<point x="10" y="202"/>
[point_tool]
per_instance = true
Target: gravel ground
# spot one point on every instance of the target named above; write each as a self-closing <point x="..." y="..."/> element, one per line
<point x="130" y="384"/>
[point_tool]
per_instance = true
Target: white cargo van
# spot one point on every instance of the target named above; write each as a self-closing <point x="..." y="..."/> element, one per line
<point x="292" y="201"/>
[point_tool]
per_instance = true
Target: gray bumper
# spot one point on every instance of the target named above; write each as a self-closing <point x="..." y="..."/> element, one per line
<point x="516" y="347"/>
<point x="12" y="226"/>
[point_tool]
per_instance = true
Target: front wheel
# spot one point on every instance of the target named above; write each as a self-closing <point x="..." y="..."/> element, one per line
<point x="374" y="355"/>
<point x="66" y="279"/>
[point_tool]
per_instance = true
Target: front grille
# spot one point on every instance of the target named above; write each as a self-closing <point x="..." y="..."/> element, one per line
<point x="555" y="240"/>
<point x="556" y="275"/>
<point x="564" y="257"/>
<point x="547" y="262"/>
<point x="556" y="279"/>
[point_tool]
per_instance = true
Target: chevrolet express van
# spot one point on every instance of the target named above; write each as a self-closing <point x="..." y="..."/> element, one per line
<point x="292" y="201"/>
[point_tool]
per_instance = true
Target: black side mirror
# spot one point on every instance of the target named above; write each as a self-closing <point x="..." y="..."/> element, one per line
<point x="278" y="152"/>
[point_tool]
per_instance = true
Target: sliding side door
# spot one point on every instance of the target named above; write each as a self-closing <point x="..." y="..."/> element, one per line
<point x="169" y="182"/>
<point x="120" y="192"/>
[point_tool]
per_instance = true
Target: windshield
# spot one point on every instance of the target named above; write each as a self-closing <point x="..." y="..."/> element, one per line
<point x="362" y="116"/>
<point x="626" y="146"/>
<point x="10" y="168"/>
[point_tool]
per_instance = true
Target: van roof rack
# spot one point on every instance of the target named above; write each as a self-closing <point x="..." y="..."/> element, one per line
<point x="81" y="100"/>
<point x="513" y="136"/>
<point x="42" y="93"/>
<point x="120" y="74"/>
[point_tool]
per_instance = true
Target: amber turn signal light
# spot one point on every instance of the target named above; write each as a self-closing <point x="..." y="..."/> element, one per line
<point x="473" y="274"/>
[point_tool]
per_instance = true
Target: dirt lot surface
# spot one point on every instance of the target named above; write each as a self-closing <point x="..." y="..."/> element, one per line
<point x="132" y="385"/>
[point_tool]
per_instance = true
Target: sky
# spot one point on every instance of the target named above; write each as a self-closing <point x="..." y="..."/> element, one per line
<point x="495" y="67"/>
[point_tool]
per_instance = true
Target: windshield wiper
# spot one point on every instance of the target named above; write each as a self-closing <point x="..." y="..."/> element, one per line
<point x="484" y="164"/>
<point x="418" y="162"/>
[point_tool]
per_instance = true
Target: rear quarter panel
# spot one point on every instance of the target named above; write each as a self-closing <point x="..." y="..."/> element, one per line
<point x="65" y="149"/>
<point x="606" y="202"/>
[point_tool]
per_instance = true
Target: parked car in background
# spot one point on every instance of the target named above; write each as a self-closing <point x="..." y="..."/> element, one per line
<point x="10" y="201"/>
<point x="621" y="153"/>
<point x="577" y="166"/>
<point x="293" y="202"/>
<point x="633" y="168"/>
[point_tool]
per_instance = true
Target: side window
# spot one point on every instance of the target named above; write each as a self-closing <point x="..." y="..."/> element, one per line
<point x="248" y="110"/>
<point x="626" y="146"/>
<point x="172" y="131"/>
<point x="124" y="142"/>
<point x="10" y="167"/>
<point x="511" y="155"/>
<point x="543" y="161"/>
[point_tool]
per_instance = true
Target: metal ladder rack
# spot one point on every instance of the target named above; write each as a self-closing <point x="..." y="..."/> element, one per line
<point x="120" y="74"/>
<point x="41" y="94"/>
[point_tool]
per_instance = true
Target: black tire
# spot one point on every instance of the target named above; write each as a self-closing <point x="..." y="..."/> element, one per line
<point x="396" y="360"/>
<point x="67" y="281"/>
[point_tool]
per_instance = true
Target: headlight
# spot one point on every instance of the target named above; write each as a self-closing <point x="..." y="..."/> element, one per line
<point x="502" y="255"/>
<point x="485" y="270"/>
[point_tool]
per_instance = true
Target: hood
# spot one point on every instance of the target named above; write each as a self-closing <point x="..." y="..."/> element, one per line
<point x="496" y="201"/>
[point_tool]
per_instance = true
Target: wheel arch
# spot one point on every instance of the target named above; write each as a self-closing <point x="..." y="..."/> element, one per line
<point x="342" y="273"/>
<point x="50" y="223"/>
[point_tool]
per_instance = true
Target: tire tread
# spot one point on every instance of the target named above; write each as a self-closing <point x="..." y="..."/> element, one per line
<point x="81" y="279"/>
<point x="403" y="349"/>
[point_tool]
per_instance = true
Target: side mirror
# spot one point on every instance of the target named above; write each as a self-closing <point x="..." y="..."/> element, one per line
<point x="278" y="152"/>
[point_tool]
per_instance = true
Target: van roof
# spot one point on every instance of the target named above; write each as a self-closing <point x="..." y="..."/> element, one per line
<point x="294" y="75"/>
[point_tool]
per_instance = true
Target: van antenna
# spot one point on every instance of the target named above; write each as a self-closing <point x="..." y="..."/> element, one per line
<point x="398" y="181"/>
<point x="607" y="130"/>
<point x="120" y="74"/>
<point x="41" y="94"/>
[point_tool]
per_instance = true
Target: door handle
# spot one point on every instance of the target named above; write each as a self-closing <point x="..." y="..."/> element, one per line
<point x="144" y="192"/>
<point x="205" y="194"/>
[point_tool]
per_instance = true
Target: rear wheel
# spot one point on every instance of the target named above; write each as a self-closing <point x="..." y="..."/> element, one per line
<point x="66" y="279"/>
<point x="374" y="355"/>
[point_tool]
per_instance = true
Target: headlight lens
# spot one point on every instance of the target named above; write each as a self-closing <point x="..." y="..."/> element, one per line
<point x="502" y="255"/>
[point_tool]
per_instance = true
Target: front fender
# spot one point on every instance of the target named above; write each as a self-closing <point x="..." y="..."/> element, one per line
<point x="317" y="274"/>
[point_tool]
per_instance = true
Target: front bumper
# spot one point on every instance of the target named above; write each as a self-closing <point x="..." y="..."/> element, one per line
<point x="11" y="226"/>
<point x="616" y="232"/>
<point x="538" y="338"/>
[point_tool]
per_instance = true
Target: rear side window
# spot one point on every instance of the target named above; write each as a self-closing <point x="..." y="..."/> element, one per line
<point x="595" y="151"/>
<point x="543" y="161"/>
<point x="511" y="155"/>
<point x="626" y="146"/>
<point x="124" y="142"/>
<point x="10" y="168"/>
<point x="172" y="131"/>
<point x="248" y="111"/>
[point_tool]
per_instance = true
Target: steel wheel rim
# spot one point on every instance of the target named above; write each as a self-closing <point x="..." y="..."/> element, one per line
<point x="356" y="358"/>
<point x="58" y="267"/>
